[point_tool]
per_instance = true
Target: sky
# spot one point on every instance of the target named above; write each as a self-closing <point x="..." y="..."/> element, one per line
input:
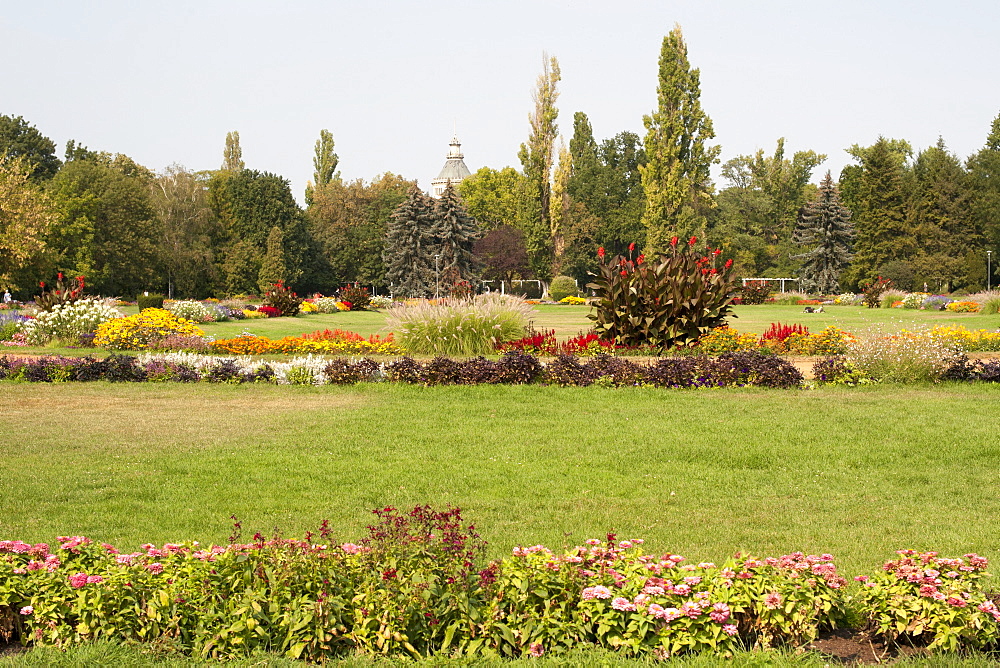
<point x="393" y="80"/>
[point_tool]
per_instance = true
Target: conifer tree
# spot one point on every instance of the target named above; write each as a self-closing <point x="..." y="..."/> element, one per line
<point x="409" y="247"/>
<point x="878" y="203"/>
<point x="676" y="177"/>
<point x="984" y="181"/>
<point x="272" y="267"/>
<point x="825" y="224"/>
<point x="454" y="233"/>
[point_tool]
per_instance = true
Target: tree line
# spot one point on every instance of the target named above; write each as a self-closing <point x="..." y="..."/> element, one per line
<point x="920" y="218"/>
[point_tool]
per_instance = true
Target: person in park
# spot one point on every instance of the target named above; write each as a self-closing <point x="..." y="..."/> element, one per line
<point x="6" y="296"/>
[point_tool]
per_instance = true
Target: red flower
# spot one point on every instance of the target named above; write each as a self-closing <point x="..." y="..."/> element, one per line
<point x="41" y="283"/>
<point x="640" y="259"/>
<point x="631" y="247"/>
<point x="692" y="240"/>
<point x="717" y="251"/>
<point x="673" y="242"/>
<point x="600" y="252"/>
<point x="624" y="273"/>
<point x="59" y="276"/>
<point x="729" y="263"/>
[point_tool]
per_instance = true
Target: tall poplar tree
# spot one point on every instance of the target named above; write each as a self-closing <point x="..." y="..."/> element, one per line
<point x="537" y="158"/>
<point x="409" y="247"/>
<point x="676" y="177"/>
<point x="825" y="225"/>
<point x="232" y="157"/>
<point x="324" y="164"/>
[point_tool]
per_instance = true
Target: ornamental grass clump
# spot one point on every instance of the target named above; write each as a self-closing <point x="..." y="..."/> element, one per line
<point x="459" y="327"/>
<point x="670" y="300"/>
<point x="903" y="357"/>
<point x="67" y="322"/>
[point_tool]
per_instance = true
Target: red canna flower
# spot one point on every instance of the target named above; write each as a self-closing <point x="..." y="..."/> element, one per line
<point x="624" y="273"/>
<point x="729" y="263"/>
<point x="640" y="259"/>
<point x="41" y="283"/>
<point x="717" y="251"/>
<point x="600" y="251"/>
<point x="631" y="247"/>
<point x="673" y="242"/>
<point x="59" y="276"/>
<point x="692" y="241"/>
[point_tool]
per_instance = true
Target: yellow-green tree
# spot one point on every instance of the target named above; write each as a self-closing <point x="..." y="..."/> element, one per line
<point x="26" y="217"/>
<point x="676" y="177"/>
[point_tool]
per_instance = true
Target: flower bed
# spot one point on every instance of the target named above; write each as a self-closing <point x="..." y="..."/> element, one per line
<point x="418" y="585"/>
<point x="327" y="342"/>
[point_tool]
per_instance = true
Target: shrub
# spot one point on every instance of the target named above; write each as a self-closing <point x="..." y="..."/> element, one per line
<point x="137" y="331"/>
<point x="915" y="299"/>
<point x="326" y="304"/>
<point x="562" y="287"/>
<point x="838" y="371"/>
<point x="848" y="299"/>
<point x="281" y="298"/>
<point x="935" y="302"/>
<point x="906" y="357"/>
<point x="463" y="327"/>
<point x="308" y="307"/>
<point x="755" y="292"/>
<point x="356" y="296"/>
<point x="923" y="599"/>
<point x="671" y="300"/>
<point x="149" y="301"/>
<point x="194" y="311"/>
<point x="64" y="292"/>
<point x="10" y="324"/>
<point x="380" y="301"/>
<point x="573" y="301"/>
<point x="69" y="321"/>
<point x="874" y="290"/>
<point x="344" y="372"/>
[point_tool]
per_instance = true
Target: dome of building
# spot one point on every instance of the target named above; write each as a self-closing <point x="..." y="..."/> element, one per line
<point x="454" y="169"/>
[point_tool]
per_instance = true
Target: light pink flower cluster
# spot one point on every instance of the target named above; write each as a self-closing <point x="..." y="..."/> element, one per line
<point x="623" y="604"/>
<point x="155" y="568"/>
<point x="599" y="591"/>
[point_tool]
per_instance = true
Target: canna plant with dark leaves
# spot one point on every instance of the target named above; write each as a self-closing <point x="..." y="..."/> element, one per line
<point x="670" y="300"/>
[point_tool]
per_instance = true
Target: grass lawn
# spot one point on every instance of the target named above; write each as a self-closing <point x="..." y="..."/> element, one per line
<point x="856" y="472"/>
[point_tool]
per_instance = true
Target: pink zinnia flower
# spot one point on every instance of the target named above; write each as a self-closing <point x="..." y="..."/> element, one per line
<point x="77" y="581"/>
<point x="772" y="600"/>
<point x="730" y="629"/>
<point x="691" y="609"/>
<point x="656" y="610"/>
<point x="155" y="568"/>
<point x="720" y="612"/>
<point x="682" y="590"/>
<point x="956" y="602"/>
<point x="94" y="579"/>
<point x="27" y="610"/>
<point x="693" y="580"/>
<point x="600" y="591"/>
<point x="653" y="590"/>
<point x="623" y="604"/>
<point x="536" y="649"/>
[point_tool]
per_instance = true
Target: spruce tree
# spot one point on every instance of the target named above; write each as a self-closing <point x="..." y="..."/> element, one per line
<point x="874" y="191"/>
<point x="409" y="248"/>
<point x="984" y="181"/>
<point x="825" y="224"/>
<point x="454" y="233"/>
<point x="676" y="177"/>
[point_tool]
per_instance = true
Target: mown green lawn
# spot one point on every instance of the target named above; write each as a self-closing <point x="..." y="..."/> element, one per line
<point x="856" y="472"/>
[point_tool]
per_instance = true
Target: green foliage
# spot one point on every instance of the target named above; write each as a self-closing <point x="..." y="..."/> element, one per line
<point x="109" y="230"/>
<point x="355" y="295"/>
<point x="454" y="234"/>
<point x="459" y="327"/>
<point x="27" y="217"/>
<point x="20" y="140"/>
<point x="672" y="300"/>
<point x="349" y="222"/>
<point x="149" y="301"/>
<point x="825" y="224"/>
<point x="410" y="248"/>
<point x="272" y="266"/>
<point x="281" y="297"/>
<point x="537" y="158"/>
<point x="874" y="192"/>
<point x="676" y="178"/>
<point x="232" y="157"/>
<point x="561" y="287"/>
<point x="324" y="163"/>
<point x="191" y="243"/>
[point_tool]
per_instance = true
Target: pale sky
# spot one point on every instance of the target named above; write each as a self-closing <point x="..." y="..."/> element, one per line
<point x="164" y="82"/>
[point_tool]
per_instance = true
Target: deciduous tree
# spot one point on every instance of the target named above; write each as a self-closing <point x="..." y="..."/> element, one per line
<point x="676" y="177"/>
<point x="19" y="139"/>
<point x="27" y="217"/>
<point x="324" y="164"/>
